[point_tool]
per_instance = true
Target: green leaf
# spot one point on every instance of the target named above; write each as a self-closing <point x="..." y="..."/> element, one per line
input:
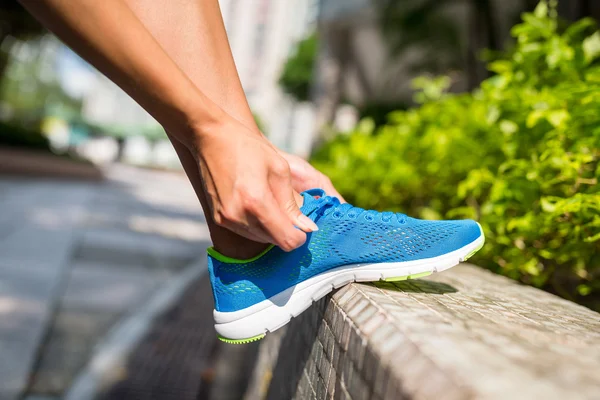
<point x="593" y="238"/>
<point x="493" y="114"/>
<point x="558" y="118"/>
<point x="534" y="117"/>
<point x="584" y="290"/>
<point x="547" y="205"/>
<point x="500" y="66"/>
<point x="531" y="267"/>
<point x="579" y="27"/>
<point x="541" y="11"/>
<point x="591" y="47"/>
<point x="508" y="127"/>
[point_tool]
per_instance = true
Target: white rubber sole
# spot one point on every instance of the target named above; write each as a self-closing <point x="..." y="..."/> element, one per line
<point x="253" y="322"/>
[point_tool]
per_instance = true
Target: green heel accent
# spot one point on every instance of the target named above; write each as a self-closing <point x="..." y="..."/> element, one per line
<point x="215" y="254"/>
<point x="403" y="278"/>
<point x="241" y="341"/>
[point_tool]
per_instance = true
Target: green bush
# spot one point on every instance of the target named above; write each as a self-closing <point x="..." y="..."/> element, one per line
<point x="520" y="154"/>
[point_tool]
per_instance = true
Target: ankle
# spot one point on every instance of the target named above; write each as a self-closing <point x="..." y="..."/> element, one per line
<point x="235" y="246"/>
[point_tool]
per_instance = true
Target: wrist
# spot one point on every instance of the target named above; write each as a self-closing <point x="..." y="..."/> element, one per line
<point x="200" y="119"/>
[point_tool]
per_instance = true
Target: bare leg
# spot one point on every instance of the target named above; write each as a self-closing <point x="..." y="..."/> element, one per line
<point x="193" y="34"/>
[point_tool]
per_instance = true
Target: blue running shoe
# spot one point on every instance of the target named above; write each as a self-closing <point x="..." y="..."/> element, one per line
<point x="263" y="293"/>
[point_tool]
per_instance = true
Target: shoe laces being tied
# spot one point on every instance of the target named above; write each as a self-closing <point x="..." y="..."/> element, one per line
<point x="329" y="205"/>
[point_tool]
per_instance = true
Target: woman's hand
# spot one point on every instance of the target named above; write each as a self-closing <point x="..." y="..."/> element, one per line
<point x="305" y="176"/>
<point x="248" y="185"/>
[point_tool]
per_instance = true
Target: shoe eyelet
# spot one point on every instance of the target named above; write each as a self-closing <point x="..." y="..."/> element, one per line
<point x="368" y="218"/>
<point x="351" y="216"/>
<point x="336" y="214"/>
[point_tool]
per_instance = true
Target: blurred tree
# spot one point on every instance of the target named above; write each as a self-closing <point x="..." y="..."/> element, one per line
<point x="296" y="77"/>
<point x="481" y="34"/>
<point x="31" y="85"/>
<point x="15" y="22"/>
<point x="420" y="24"/>
<point x="574" y="10"/>
<point x="431" y="27"/>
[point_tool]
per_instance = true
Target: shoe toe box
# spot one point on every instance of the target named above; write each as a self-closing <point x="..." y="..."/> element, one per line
<point x="441" y="237"/>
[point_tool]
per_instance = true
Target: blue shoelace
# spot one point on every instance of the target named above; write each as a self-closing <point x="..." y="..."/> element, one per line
<point x="327" y="205"/>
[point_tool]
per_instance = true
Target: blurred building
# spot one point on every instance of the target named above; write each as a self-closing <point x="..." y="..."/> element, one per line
<point x="134" y="132"/>
<point x="262" y="34"/>
<point x="105" y="101"/>
<point x="354" y="61"/>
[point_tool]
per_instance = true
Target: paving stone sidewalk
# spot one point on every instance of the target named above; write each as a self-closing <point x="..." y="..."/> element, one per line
<point x="180" y="358"/>
<point x="75" y="258"/>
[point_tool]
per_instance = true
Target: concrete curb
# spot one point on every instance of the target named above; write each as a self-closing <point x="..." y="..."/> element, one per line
<point x="110" y="355"/>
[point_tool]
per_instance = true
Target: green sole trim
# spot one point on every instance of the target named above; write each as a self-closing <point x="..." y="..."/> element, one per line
<point x="465" y="258"/>
<point x="241" y="341"/>
<point x="403" y="278"/>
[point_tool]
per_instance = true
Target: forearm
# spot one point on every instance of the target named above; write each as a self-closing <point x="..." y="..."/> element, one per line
<point x="199" y="45"/>
<point x="109" y="36"/>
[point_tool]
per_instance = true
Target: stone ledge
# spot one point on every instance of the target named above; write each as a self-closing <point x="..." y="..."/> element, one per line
<point x="463" y="334"/>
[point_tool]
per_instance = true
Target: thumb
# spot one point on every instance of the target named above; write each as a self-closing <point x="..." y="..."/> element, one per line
<point x="292" y="209"/>
<point x="289" y="201"/>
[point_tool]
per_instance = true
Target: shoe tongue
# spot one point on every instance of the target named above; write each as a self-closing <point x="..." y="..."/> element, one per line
<point x="310" y="200"/>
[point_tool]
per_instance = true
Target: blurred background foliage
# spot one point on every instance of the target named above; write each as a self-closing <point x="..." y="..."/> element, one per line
<point x="17" y="23"/>
<point x="43" y="91"/>
<point x="519" y="154"/>
<point x="296" y="77"/>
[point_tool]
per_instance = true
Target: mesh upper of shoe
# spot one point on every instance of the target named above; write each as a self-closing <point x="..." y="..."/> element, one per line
<point x="347" y="235"/>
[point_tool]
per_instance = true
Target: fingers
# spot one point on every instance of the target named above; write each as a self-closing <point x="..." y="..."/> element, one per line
<point x="281" y="187"/>
<point x="305" y="176"/>
<point x="263" y="226"/>
<point x="257" y="216"/>
<point x="278" y="225"/>
<point x="284" y="201"/>
<point x="300" y="220"/>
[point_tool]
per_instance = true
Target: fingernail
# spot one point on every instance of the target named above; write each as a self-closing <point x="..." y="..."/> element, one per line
<point x="308" y="223"/>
